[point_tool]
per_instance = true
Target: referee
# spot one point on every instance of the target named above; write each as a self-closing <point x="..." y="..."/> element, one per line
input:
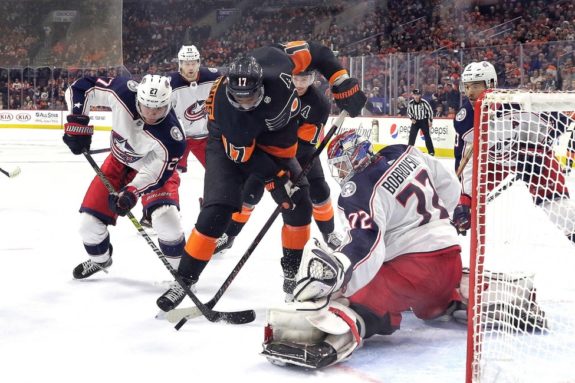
<point x="421" y="116"/>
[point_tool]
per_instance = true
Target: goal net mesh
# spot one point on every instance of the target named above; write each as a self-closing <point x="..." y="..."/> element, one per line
<point x="522" y="289"/>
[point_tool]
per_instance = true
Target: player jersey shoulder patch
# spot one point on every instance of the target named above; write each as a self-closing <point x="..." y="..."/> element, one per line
<point x="176" y="133"/>
<point x="213" y="70"/>
<point x="460" y="116"/>
<point x="132" y="85"/>
<point x="348" y="189"/>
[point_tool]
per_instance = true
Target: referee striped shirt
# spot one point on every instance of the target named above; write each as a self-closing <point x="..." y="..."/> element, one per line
<point x="419" y="110"/>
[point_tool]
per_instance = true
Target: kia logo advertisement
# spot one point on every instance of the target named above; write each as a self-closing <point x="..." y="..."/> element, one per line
<point x="5" y="116"/>
<point x="23" y="117"/>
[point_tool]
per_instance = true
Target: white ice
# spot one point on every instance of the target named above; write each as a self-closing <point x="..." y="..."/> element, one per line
<point x="57" y="329"/>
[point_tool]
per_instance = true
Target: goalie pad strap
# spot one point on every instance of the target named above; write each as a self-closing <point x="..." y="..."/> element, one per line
<point x="350" y="322"/>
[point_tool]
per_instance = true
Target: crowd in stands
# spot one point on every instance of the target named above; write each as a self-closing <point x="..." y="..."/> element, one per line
<point x="392" y="46"/>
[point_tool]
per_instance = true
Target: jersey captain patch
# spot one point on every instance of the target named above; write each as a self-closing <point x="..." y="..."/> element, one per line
<point x="460" y="116"/>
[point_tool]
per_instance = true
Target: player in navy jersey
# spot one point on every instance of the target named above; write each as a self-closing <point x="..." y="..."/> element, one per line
<point x="252" y="123"/>
<point x="314" y="112"/>
<point x="533" y="161"/>
<point x="190" y="88"/>
<point x="400" y="253"/>
<point x="146" y="143"/>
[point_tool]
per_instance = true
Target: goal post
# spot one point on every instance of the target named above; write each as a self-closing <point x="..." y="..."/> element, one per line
<point x="521" y="314"/>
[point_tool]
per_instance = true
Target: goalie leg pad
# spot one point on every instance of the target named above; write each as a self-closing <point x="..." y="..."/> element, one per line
<point x="312" y="334"/>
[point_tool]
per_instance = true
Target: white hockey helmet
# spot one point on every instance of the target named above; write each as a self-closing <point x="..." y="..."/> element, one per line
<point x="188" y="53"/>
<point x="480" y="71"/>
<point x="154" y="92"/>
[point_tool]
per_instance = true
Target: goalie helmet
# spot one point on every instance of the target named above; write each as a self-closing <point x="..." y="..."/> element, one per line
<point x="245" y="88"/>
<point x="480" y="71"/>
<point x="348" y="153"/>
<point x="153" y="98"/>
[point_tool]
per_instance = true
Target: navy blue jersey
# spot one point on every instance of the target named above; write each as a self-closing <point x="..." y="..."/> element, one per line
<point x="463" y="124"/>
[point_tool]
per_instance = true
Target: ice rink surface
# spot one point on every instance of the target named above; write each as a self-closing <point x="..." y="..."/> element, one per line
<point x="57" y="329"/>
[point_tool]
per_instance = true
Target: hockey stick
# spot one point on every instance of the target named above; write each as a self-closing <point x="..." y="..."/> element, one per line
<point x="235" y="317"/>
<point x="97" y="151"/>
<point x="464" y="160"/>
<point x="12" y="173"/>
<point x="182" y="315"/>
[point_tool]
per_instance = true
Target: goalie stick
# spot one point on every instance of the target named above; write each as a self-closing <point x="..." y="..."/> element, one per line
<point x="181" y="316"/>
<point x="234" y="317"/>
<point x="12" y="173"/>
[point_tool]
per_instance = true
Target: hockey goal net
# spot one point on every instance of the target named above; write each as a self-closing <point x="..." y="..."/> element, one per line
<point x="521" y="325"/>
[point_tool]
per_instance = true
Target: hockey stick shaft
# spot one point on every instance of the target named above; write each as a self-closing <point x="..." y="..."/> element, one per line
<point x="97" y="151"/>
<point x="464" y="160"/>
<point x="5" y="172"/>
<point x="212" y="316"/>
<point x="305" y="170"/>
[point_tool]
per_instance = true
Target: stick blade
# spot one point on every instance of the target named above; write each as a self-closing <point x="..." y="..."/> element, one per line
<point x="14" y="172"/>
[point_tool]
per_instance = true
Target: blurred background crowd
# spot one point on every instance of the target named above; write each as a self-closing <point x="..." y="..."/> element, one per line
<point x="391" y="46"/>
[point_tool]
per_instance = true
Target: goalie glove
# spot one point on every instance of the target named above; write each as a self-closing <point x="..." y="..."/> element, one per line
<point x="312" y="334"/>
<point x="321" y="272"/>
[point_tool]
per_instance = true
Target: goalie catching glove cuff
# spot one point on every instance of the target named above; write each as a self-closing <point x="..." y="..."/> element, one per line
<point x="348" y="96"/>
<point x="77" y="133"/>
<point x="321" y="272"/>
<point x="462" y="214"/>
<point x="121" y="203"/>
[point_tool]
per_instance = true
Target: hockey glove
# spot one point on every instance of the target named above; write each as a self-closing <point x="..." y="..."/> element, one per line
<point x="77" y="133"/>
<point x="281" y="189"/>
<point x="312" y="334"/>
<point x="349" y="97"/>
<point x="462" y="215"/>
<point x="321" y="272"/>
<point x="121" y="203"/>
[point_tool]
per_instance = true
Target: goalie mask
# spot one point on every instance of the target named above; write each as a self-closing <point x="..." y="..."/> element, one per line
<point x="244" y="88"/>
<point x="153" y="98"/>
<point x="348" y="153"/>
<point x="189" y="62"/>
<point x="479" y="72"/>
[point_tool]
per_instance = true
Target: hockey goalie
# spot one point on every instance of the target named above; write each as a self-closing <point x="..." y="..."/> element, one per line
<point x="401" y="253"/>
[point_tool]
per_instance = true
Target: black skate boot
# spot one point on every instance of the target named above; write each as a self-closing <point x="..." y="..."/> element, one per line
<point x="224" y="243"/>
<point x="174" y="295"/>
<point x="88" y="268"/>
<point x="333" y="240"/>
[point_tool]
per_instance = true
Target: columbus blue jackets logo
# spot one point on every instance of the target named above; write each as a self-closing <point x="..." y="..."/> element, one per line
<point x="176" y="133"/>
<point x="460" y="116"/>
<point x="196" y="111"/>
<point x="348" y="189"/>
<point x="122" y="150"/>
